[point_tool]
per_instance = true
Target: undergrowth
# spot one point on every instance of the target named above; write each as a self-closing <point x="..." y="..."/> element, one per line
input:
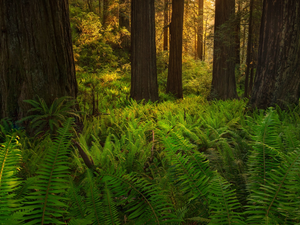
<point x="183" y="162"/>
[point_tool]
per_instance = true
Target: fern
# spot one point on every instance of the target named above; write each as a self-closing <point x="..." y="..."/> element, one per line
<point x="52" y="181"/>
<point x="223" y="203"/>
<point x="146" y="202"/>
<point x="9" y="183"/>
<point x="277" y="201"/>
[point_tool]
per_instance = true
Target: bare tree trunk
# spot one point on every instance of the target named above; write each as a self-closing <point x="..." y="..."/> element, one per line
<point x="143" y="63"/>
<point x="166" y="23"/>
<point x="106" y="12"/>
<point x="200" y="31"/>
<point x="174" y="81"/>
<point x="223" y="82"/>
<point x="249" y="50"/>
<point x="124" y="14"/>
<point x="36" y="54"/>
<point x="278" y="72"/>
<point x="238" y="34"/>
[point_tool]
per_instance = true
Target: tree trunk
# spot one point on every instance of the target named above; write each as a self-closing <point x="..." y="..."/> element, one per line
<point x="166" y="23"/>
<point x="200" y="31"/>
<point x="278" y="71"/>
<point x="174" y="81"/>
<point x="143" y="63"/>
<point x="249" y="50"/>
<point x="106" y="12"/>
<point x="223" y="82"/>
<point x="36" y="55"/>
<point x="124" y="15"/>
<point x="238" y="34"/>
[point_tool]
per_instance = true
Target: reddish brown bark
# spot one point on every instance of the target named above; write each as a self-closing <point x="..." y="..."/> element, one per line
<point x="223" y="82"/>
<point x="36" y="55"/>
<point x="278" y="72"/>
<point x="200" y="31"/>
<point x="174" y="81"/>
<point x="143" y="51"/>
<point x="166" y="25"/>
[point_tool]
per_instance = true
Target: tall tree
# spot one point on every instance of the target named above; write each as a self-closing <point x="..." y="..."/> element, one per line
<point x="174" y="81"/>
<point x="223" y="82"/>
<point x="36" y="55"/>
<point x="278" y="71"/>
<point x="166" y="24"/>
<point x="200" y="30"/>
<point x="249" y="50"/>
<point x="106" y="12"/>
<point x="124" y="14"/>
<point x="143" y="51"/>
<point x="238" y="32"/>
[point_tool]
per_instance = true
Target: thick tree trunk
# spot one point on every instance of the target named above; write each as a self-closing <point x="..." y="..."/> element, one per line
<point x="278" y="72"/>
<point x="223" y="82"/>
<point x="143" y="63"/>
<point x="36" y="55"/>
<point x="200" y="31"/>
<point x="166" y="23"/>
<point x="174" y="81"/>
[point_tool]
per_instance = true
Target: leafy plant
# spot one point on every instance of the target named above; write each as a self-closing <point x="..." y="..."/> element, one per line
<point x="45" y="119"/>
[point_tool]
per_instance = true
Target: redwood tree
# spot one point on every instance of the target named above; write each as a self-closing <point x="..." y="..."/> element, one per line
<point x="223" y="82"/>
<point x="36" y="55"/>
<point x="143" y="51"/>
<point x="166" y="24"/>
<point x="174" y="81"/>
<point x="278" y="71"/>
<point x="200" y="31"/>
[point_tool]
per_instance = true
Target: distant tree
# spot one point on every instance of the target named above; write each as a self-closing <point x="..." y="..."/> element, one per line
<point x="278" y="71"/>
<point x="223" y="81"/>
<point x="166" y="24"/>
<point x="249" y="50"/>
<point x="106" y="12"/>
<point x="36" y="55"/>
<point x="174" y="81"/>
<point x="124" y="14"/>
<point x="200" y="31"/>
<point x="238" y="32"/>
<point x="143" y="51"/>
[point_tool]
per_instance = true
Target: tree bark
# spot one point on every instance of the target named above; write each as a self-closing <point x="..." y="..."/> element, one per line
<point x="166" y="23"/>
<point x="36" y="54"/>
<point x="238" y="34"/>
<point x="124" y="15"/>
<point x="106" y="12"/>
<point x="223" y="82"/>
<point x="249" y="50"/>
<point x="278" y="72"/>
<point x="143" y="64"/>
<point x="174" y="81"/>
<point x="200" y="31"/>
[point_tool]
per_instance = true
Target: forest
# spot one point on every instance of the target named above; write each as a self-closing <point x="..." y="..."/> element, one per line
<point x="136" y="112"/>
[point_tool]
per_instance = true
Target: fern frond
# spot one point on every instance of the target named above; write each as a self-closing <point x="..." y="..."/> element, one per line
<point x="9" y="183"/>
<point x="146" y="202"/>
<point x="277" y="201"/>
<point x="223" y="203"/>
<point x="189" y="170"/>
<point x="52" y="181"/>
<point x="266" y="154"/>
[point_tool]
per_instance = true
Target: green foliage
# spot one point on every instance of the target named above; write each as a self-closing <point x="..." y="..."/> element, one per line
<point x="45" y="202"/>
<point x="45" y="119"/>
<point x="95" y="47"/>
<point x="10" y="156"/>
